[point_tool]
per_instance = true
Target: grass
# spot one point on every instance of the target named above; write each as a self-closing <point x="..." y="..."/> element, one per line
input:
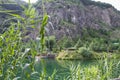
<point x="17" y="58"/>
<point x="84" y="54"/>
<point x="103" y="70"/>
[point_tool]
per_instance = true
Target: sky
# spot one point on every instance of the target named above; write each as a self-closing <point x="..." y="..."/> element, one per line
<point x="115" y="3"/>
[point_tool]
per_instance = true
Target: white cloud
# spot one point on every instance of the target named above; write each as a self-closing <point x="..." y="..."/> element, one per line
<point x="115" y="3"/>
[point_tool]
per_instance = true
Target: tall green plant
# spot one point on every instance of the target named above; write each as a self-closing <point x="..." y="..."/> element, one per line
<point x="42" y="31"/>
<point x="15" y="57"/>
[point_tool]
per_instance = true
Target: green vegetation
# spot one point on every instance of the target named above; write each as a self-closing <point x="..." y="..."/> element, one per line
<point x="15" y="54"/>
<point x="18" y="49"/>
<point x="50" y="42"/>
<point x="97" y="72"/>
<point x="91" y="45"/>
<point x="97" y="40"/>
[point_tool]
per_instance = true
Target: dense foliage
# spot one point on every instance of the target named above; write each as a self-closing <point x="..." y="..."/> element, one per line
<point x="15" y="53"/>
<point x="18" y="49"/>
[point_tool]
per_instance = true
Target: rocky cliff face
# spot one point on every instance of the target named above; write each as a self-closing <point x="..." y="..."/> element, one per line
<point x="69" y="17"/>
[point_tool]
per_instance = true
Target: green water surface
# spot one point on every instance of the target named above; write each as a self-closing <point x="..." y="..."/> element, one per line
<point x="61" y="66"/>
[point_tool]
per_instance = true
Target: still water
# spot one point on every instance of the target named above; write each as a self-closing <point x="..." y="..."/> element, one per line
<point x="61" y="66"/>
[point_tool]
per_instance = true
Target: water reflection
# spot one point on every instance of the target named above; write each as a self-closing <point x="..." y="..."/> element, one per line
<point x="62" y="66"/>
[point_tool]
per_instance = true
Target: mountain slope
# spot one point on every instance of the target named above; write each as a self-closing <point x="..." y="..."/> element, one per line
<point x="70" y="17"/>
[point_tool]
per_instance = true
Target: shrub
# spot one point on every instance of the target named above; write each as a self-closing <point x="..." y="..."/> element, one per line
<point x="99" y="45"/>
<point x="114" y="46"/>
<point x="85" y="52"/>
<point x="65" y="42"/>
<point x="50" y="42"/>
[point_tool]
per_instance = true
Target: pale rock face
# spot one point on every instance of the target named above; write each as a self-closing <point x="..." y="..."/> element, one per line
<point x="106" y="17"/>
<point x="73" y="19"/>
<point x="66" y="15"/>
